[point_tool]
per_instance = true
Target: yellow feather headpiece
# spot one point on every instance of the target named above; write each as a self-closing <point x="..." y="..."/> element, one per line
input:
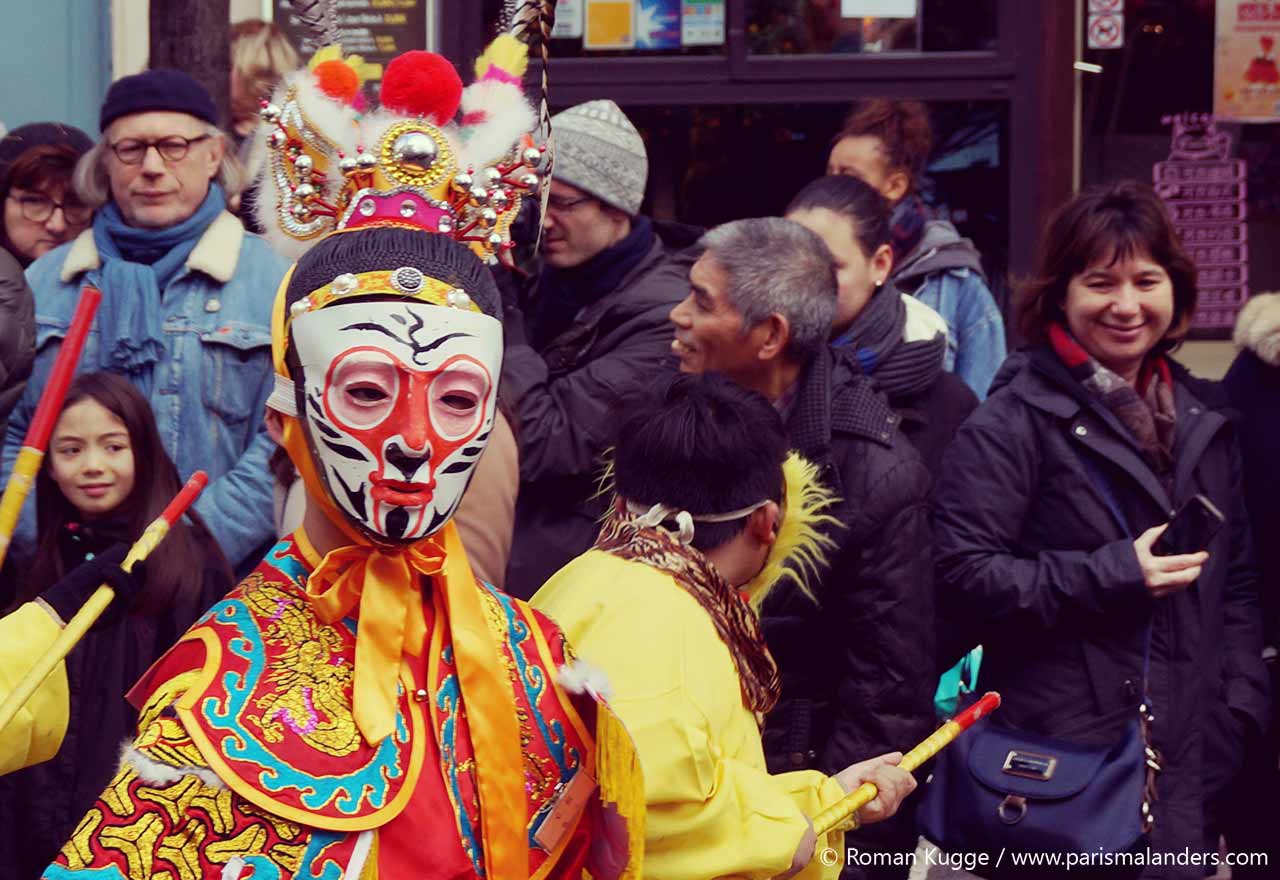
<point x="800" y="549"/>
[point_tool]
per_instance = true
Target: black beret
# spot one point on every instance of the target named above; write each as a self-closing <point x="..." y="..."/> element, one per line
<point x="162" y="89"/>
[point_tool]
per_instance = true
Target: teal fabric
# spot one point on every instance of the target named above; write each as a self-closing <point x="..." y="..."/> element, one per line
<point x="957" y="681"/>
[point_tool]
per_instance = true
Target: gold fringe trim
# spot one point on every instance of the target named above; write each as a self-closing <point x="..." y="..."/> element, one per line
<point x="621" y="783"/>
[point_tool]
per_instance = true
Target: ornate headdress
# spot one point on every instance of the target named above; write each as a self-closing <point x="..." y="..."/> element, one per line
<point x="411" y="162"/>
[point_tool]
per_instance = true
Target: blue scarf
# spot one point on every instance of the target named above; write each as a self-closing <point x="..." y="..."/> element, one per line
<point x="137" y="264"/>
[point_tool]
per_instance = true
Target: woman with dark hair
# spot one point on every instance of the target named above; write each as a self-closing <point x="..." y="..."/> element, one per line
<point x="105" y="477"/>
<point x="41" y="211"/>
<point x="895" y="340"/>
<point x="1052" y="499"/>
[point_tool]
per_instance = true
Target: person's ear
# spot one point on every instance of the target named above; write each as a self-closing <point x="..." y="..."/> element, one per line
<point x="217" y="146"/>
<point x="764" y="522"/>
<point x="896" y="186"/>
<point x="771" y="336"/>
<point x="882" y="263"/>
<point x="275" y="426"/>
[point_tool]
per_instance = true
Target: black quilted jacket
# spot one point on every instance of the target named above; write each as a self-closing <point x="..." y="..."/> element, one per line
<point x="858" y="667"/>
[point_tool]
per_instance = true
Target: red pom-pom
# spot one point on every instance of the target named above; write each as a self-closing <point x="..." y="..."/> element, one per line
<point x="422" y="84"/>
<point x="337" y="80"/>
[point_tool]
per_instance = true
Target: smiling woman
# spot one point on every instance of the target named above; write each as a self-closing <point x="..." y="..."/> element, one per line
<point x="1047" y="511"/>
<point x="1114" y="272"/>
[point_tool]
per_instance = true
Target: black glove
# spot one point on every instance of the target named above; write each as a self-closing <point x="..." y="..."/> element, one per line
<point x="69" y="594"/>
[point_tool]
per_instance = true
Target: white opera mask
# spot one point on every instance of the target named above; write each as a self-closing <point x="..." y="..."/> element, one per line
<point x="400" y="399"/>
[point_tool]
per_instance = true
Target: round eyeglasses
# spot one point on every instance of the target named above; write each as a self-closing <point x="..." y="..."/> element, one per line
<point x="39" y="208"/>
<point x="132" y="151"/>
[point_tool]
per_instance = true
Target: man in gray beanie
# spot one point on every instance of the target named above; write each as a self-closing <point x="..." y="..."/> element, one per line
<point x="593" y="328"/>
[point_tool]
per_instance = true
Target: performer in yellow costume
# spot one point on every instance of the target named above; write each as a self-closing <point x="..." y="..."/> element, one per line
<point x="702" y="505"/>
<point x="360" y="706"/>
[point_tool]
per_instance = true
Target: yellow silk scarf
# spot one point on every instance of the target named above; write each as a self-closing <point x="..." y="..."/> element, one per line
<point x="384" y="584"/>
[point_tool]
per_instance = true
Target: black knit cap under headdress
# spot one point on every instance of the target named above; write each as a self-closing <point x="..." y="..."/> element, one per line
<point x="390" y="248"/>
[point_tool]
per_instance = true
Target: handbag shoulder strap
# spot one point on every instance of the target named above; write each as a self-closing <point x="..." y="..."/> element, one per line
<point x="1113" y="504"/>
<point x="1104" y="487"/>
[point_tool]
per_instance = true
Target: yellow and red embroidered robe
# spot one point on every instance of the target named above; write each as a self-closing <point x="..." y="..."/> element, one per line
<point x="248" y="763"/>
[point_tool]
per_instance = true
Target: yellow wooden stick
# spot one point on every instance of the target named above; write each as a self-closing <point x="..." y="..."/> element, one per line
<point x="911" y="761"/>
<point x="97" y="603"/>
<point x="16" y="491"/>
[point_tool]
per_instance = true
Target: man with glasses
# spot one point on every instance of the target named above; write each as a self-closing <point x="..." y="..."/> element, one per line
<point x="594" y="329"/>
<point x="186" y="297"/>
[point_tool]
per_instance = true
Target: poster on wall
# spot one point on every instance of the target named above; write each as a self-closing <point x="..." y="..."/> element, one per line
<point x="1246" y="72"/>
<point x="378" y="30"/>
<point x="610" y="24"/>
<point x="1205" y="190"/>
<point x="702" y="23"/>
<point x="568" y="24"/>
<point x="658" y="24"/>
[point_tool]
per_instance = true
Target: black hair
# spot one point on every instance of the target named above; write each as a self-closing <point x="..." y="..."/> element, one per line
<point x="368" y="250"/>
<point x="703" y="444"/>
<point x="852" y="198"/>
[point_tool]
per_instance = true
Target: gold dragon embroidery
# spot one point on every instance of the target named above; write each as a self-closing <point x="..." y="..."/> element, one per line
<point x="311" y="684"/>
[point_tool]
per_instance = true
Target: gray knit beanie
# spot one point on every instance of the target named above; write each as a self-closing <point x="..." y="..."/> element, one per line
<point x="600" y="152"/>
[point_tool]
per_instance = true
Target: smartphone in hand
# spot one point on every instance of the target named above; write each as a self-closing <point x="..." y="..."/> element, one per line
<point x="1191" y="529"/>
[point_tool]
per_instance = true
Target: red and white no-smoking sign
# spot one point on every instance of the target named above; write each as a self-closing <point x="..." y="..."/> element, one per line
<point x="1105" y="30"/>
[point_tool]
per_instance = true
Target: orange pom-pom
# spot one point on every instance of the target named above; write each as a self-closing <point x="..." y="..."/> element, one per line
<point x="337" y="80"/>
<point x="422" y="84"/>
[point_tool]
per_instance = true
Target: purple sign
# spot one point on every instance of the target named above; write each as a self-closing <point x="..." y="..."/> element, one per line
<point x="658" y="24"/>
<point x="1204" y="190"/>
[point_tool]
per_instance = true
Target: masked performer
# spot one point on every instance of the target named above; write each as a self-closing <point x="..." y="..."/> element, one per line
<point x="360" y="706"/>
<point x="708" y="502"/>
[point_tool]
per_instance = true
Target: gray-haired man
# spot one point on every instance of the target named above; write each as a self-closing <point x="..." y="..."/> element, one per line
<point x="596" y="330"/>
<point x="858" y="672"/>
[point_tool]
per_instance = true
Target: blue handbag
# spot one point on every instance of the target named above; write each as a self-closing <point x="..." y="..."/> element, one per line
<point x="997" y="789"/>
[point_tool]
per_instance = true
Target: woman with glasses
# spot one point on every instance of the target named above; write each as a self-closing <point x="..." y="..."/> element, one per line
<point x="41" y="212"/>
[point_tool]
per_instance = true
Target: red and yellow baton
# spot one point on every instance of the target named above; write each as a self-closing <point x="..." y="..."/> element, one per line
<point x="939" y="739"/>
<point x="31" y="455"/>
<point x="101" y="598"/>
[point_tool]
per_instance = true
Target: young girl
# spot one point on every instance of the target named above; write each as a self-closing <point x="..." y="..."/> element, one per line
<point x="105" y="477"/>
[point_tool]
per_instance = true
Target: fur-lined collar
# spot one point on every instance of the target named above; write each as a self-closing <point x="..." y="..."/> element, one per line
<point x="216" y="254"/>
<point x="1258" y="327"/>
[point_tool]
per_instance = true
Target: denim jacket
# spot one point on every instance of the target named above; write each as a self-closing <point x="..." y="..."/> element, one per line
<point x="975" y="343"/>
<point x="207" y="393"/>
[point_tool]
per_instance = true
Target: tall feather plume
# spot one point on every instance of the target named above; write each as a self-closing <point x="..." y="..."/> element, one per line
<point x="321" y="18"/>
<point x="530" y="21"/>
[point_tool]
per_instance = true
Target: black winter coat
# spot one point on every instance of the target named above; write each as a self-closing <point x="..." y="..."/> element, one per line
<point x="858" y="668"/>
<point x="1045" y="576"/>
<point x="1253" y="386"/>
<point x="41" y="805"/>
<point x="17" y="334"/>
<point x="564" y="399"/>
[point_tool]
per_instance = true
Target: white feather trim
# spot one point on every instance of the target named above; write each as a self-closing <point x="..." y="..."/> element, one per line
<point x="1258" y="327"/>
<point x="507" y="116"/>
<point x="580" y="677"/>
<point x="154" y="773"/>
<point x="329" y="120"/>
